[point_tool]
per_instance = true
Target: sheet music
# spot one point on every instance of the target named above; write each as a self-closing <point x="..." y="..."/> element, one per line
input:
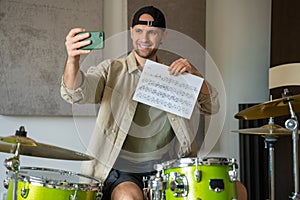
<point x="174" y="94"/>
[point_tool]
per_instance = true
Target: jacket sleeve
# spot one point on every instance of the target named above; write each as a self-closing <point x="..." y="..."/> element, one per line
<point x="91" y="87"/>
<point x="209" y="104"/>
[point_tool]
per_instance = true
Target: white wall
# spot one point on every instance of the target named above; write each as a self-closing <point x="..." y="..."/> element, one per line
<point x="115" y="15"/>
<point x="238" y="40"/>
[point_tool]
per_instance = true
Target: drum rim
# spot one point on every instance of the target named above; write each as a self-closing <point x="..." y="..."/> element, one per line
<point x="182" y="162"/>
<point x="63" y="185"/>
<point x="218" y="161"/>
<point x="175" y="163"/>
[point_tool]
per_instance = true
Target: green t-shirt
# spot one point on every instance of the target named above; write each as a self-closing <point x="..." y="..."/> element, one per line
<point x="149" y="135"/>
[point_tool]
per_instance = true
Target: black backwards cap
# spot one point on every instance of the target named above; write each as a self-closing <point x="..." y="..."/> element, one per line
<point x="158" y="16"/>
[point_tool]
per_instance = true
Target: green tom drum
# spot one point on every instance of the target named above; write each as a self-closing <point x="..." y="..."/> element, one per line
<point x="48" y="184"/>
<point x="193" y="179"/>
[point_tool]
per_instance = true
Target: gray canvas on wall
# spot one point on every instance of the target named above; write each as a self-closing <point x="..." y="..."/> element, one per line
<point x="32" y="52"/>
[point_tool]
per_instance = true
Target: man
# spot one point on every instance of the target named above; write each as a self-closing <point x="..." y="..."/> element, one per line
<point x="115" y="143"/>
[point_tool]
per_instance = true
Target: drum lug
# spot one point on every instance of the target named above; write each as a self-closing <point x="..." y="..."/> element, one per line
<point x="197" y="173"/>
<point x="179" y="184"/>
<point x="233" y="174"/>
<point x="7" y="180"/>
<point x="197" y="176"/>
<point x="25" y="189"/>
<point x="99" y="195"/>
<point x="6" y="183"/>
<point x="74" y="196"/>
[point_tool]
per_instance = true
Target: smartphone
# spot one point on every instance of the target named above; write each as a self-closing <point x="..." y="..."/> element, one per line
<point x="97" y="40"/>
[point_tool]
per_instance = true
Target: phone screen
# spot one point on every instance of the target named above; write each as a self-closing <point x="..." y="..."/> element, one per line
<point x="97" y="40"/>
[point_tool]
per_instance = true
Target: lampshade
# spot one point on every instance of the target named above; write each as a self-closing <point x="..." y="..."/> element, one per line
<point x="284" y="75"/>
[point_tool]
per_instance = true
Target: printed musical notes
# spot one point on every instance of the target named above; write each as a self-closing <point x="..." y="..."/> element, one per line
<point x="174" y="94"/>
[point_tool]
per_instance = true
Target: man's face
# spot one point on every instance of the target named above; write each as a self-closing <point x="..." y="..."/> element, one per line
<point x="146" y="39"/>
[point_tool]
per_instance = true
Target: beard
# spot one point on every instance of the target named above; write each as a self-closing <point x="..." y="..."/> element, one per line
<point x="148" y="55"/>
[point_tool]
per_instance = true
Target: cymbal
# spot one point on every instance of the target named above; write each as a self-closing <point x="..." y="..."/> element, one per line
<point x="14" y="139"/>
<point x="266" y="131"/>
<point x="39" y="149"/>
<point x="274" y="108"/>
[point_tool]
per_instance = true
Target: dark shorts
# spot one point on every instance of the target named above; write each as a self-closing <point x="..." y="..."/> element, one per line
<point x="116" y="177"/>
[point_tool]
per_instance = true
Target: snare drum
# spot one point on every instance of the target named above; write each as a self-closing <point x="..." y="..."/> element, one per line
<point x="191" y="179"/>
<point x="48" y="184"/>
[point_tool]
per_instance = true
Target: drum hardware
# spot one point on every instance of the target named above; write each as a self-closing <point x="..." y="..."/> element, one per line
<point x="25" y="189"/>
<point x="270" y="142"/>
<point x="216" y="185"/>
<point x="233" y="174"/>
<point x="292" y="125"/>
<point x="197" y="172"/>
<point x="287" y="105"/>
<point x="13" y="163"/>
<point x="146" y="189"/>
<point x="6" y="181"/>
<point x="270" y="132"/>
<point x="178" y="184"/>
<point x="157" y="184"/>
<point x="74" y="196"/>
<point x="99" y="195"/>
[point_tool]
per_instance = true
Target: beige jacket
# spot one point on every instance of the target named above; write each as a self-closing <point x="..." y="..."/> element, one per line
<point x="112" y="84"/>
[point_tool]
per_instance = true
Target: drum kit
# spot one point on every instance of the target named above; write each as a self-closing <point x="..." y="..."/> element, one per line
<point x="287" y="105"/>
<point x="186" y="178"/>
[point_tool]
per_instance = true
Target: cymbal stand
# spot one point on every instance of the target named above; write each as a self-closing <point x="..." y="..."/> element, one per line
<point x="270" y="145"/>
<point x="13" y="164"/>
<point x="292" y="125"/>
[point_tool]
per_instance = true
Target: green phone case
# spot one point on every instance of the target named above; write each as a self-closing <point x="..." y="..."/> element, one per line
<point x="97" y="40"/>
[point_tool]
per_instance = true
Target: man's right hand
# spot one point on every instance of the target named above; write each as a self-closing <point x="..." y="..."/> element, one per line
<point x="73" y="43"/>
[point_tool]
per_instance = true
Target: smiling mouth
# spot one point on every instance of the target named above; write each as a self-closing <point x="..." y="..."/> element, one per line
<point x="144" y="46"/>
